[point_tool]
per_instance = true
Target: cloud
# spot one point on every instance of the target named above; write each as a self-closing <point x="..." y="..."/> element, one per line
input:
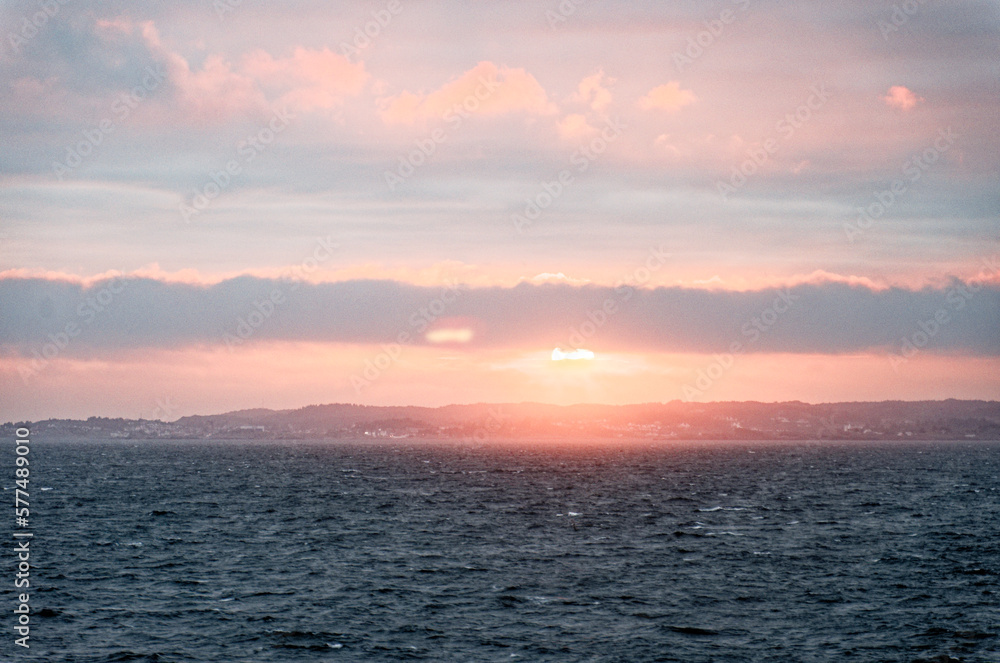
<point x="486" y="89"/>
<point x="666" y="142"/>
<point x="213" y="93"/>
<point x="574" y="126"/>
<point x="558" y="277"/>
<point x="129" y="314"/>
<point x="592" y="92"/>
<point x="307" y="80"/>
<point x="311" y="79"/>
<point x="668" y="97"/>
<point x="901" y="98"/>
<point x="40" y="97"/>
<point x="119" y="52"/>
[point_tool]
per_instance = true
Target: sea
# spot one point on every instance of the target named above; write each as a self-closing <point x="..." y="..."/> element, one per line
<point x="590" y="550"/>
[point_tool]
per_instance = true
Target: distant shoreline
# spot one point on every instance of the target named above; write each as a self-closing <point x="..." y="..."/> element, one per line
<point x="949" y="420"/>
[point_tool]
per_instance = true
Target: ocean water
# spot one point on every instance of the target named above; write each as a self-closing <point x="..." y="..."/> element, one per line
<point x="592" y="551"/>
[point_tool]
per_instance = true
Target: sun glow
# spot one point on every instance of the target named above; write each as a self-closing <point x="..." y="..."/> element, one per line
<point x="448" y="335"/>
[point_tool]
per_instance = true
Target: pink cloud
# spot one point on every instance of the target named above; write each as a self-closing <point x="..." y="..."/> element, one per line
<point x="313" y="79"/>
<point x="485" y="89"/>
<point x="574" y="126"/>
<point x="902" y="98"/>
<point x="216" y="91"/>
<point x="668" y="97"/>
<point x="305" y="81"/>
<point x="212" y="94"/>
<point x="58" y="276"/>
<point x="40" y="98"/>
<point x="120" y="24"/>
<point x="592" y="92"/>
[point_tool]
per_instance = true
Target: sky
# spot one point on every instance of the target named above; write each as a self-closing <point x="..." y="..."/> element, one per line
<point x="219" y="204"/>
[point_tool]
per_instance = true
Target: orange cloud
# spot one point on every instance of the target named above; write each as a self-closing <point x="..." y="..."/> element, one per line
<point x="485" y="89"/>
<point x="902" y="98"/>
<point x="668" y="97"/>
<point x="318" y="79"/>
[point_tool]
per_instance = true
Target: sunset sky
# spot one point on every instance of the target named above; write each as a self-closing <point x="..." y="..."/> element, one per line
<point x="207" y="206"/>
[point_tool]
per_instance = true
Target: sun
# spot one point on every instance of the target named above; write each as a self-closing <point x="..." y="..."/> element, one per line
<point x="579" y="354"/>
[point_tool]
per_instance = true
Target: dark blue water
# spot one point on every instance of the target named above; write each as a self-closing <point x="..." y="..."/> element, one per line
<point x="827" y="551"/>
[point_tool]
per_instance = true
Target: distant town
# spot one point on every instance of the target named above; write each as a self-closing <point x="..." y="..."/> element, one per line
<point x="889" y="420"/>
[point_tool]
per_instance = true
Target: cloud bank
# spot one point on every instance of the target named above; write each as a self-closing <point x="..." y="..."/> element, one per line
<point x="132" y="313"/>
